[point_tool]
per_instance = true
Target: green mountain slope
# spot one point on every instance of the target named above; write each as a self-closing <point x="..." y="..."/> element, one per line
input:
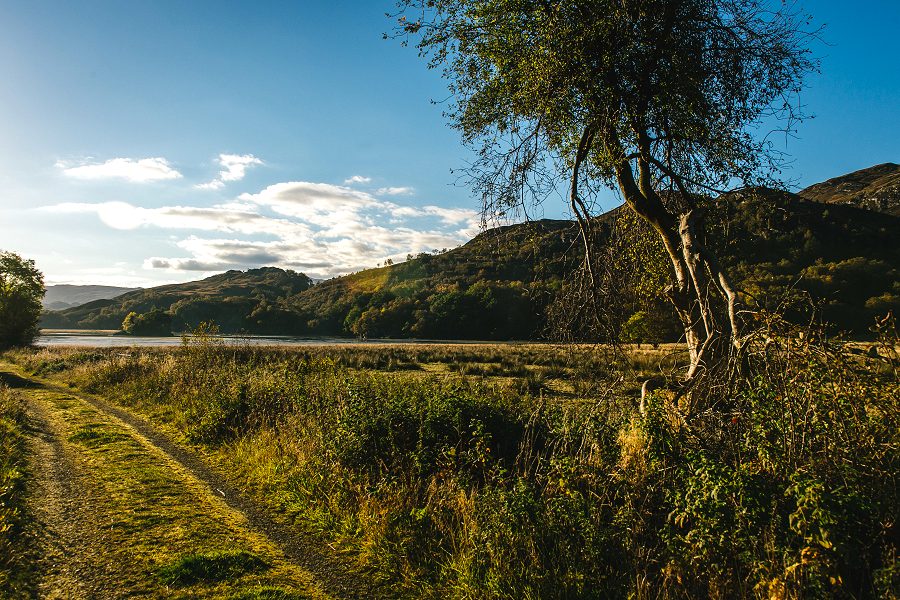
<point x="494" y="287"/>
<point x="836" y="262"/>
<point x="237" y="301"/>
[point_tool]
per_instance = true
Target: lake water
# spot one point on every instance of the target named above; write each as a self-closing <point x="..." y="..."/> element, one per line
<point x="106" y="339"/>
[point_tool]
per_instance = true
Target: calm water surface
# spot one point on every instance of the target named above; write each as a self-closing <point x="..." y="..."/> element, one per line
<point x="103" y="339"/>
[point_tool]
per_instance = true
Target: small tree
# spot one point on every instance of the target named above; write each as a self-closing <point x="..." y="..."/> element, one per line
<point x="21" y="291"/>
<point x="657" y="99"/>
<point x="155" y="322"/>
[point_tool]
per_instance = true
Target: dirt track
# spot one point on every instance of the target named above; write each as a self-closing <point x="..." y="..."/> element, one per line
<point x="113" y="501"/>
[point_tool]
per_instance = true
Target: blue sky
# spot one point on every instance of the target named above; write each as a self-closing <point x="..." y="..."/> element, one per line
<point x="150" y="142"/>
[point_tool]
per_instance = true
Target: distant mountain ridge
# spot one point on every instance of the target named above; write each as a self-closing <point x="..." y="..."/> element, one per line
<point x="875" y="188"/>
<point x="59" y="297"/>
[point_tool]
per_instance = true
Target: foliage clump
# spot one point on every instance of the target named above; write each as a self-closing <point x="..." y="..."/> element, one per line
<point x="154" y="322"/>
<point x="21" y="291"/>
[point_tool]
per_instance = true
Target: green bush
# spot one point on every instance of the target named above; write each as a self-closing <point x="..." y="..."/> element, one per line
<point x="21" y="291"/>
<point x="422" y="430"/>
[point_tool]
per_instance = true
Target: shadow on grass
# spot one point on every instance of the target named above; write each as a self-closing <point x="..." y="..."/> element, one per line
<point x="13" y="381"/>
<point x="269" y="593"/>
<point x="211" y="568"/>
<point x="96" y="434"/>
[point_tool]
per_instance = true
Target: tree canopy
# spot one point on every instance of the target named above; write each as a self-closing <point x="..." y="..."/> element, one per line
<point x="155" y="322"/>
<point x="21" y="291"/>
<point x="658" y="99"/>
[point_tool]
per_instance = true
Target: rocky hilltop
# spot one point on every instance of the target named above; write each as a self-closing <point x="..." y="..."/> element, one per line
<point x="876" y="188"/>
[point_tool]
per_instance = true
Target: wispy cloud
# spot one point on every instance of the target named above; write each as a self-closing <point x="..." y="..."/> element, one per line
<point x="323" y="204"/>
<point x="141" y="170"/>
<point x="395" y="191"/>
<point x="357" y="179"/>
<point x="449" y="216"/>
<point x="234" y="168"/>
<point x="318" y="228"/>
<point x="215" y="184"/>
<point x="223" y="218"/>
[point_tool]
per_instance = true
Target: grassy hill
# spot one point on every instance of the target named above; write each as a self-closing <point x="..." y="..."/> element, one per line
<point x="237" y="301"/>
<point x="494" y="287"/>
<point x="876" y="188"/>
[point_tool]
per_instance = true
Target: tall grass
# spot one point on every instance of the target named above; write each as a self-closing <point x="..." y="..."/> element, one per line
<point x="781" y="485"/>
<point x="13" y="575"/>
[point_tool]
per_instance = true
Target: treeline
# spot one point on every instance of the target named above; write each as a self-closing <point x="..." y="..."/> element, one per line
<point x="495" y="310"/>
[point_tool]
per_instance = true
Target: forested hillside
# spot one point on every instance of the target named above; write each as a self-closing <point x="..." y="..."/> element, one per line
<point x="494" y="287"/>
<point x="833" y="263"/>
<point x="235" y="300"/>
<point x="790" y="254"/>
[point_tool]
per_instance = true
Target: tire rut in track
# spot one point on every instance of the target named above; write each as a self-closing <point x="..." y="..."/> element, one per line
<point x="59" y="495"/>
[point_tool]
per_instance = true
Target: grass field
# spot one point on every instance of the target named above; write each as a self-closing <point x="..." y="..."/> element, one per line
<point x="527" y="471"/>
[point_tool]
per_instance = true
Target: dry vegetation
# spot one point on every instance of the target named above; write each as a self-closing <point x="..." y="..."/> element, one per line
<point x="526" y="471"/>
<point x="13" y="557"/>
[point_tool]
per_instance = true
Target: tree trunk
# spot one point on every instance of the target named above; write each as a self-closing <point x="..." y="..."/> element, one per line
<point x="700" y="284"/>
<point x="710" y="334"/>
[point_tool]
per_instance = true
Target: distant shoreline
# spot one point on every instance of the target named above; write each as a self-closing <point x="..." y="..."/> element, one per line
<point x="101" y="338"/>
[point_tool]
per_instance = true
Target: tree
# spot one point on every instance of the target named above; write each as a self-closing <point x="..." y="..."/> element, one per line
<point x="155" y="322"/>
<point x="21" y="291"/>
<point x="657" y="99"/>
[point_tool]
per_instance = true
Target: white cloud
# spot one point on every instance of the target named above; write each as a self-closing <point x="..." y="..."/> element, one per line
<point x="181" y="264"/>
<point x="140" y="170"/>
<point x="215" y="184"/>
<point x="395" y="191"/>
<point x="124" y="216"/>
<point x="318" y="228"/>
<point x="450" y="216"/>
<point x="234" y="168"/>
<point x="320" y="203"/>
<point x="235" y="165"/>
<point x="357" y="179"/>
